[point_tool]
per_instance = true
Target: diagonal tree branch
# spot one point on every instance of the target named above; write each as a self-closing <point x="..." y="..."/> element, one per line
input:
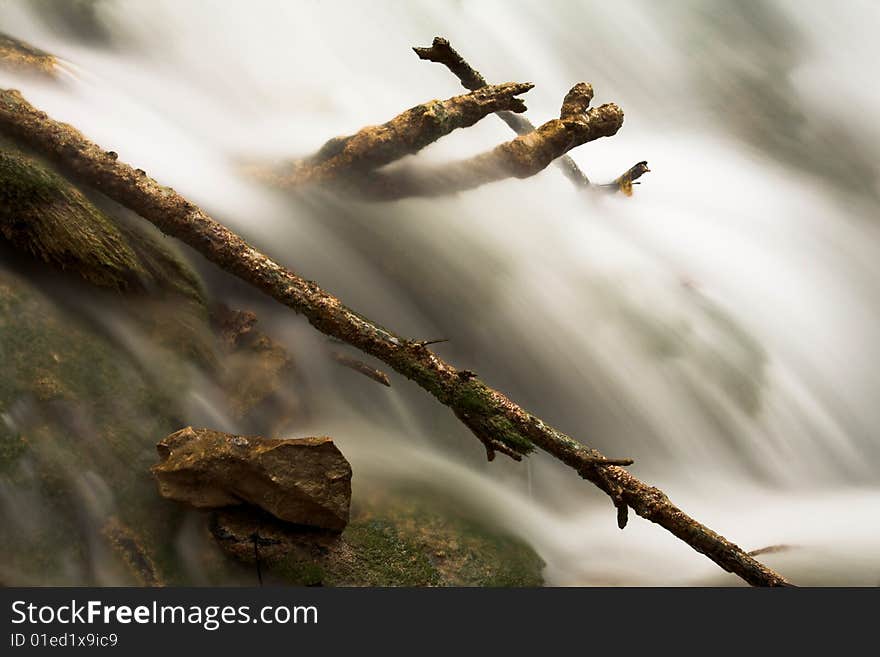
<point x="494" y="419"/>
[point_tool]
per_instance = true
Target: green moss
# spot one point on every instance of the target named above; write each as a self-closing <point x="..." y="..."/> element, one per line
<point x="300" y="573"/>
<point x="381" y="556"/>
<point x="12" y="446"/>
<point x="88" y="414"/>
<point x="45" y="215"/>
<point x="474" y="398"/>
<point x="406" y="539"/>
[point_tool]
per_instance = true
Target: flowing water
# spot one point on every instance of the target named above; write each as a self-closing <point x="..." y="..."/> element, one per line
<point x="720" y="327"/>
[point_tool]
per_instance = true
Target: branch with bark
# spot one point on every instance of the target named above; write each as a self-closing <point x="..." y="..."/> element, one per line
<point x="361" y="367"/>
<point x="441" y="52"/>
<point x="496" y="420"/>
<point x="352" y="164"/>
<point x="405" y="134"/>
<point x="522" y="157"/>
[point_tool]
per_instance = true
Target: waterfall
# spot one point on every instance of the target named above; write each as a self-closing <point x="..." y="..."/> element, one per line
<point x="720" y="327"/>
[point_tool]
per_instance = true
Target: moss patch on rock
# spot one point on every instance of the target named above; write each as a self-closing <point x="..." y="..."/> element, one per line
<point x="78" y="421"/>
<point x="43" y="214"/>
<point x="393" y="539"/>
<point x="16" y="55"/>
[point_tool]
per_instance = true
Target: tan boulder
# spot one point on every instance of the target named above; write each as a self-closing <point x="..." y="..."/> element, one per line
<point x="305" y="481"/>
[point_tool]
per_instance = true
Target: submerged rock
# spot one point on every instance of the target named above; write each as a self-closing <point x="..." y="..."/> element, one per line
<point x="306" y="481"/>
<point x="45" y="215"/>
<point x="399" y="540"/>
<point x="247" y="533"/>
<point x="132" y="551"/>
<point x="258" y="377"/>
<point x="21" y="57"/>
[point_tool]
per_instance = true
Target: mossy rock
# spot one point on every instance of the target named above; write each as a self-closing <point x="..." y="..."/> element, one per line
<point x="397" y="542"/>
<point x="78" y="417"/>
<point x="394" y="539"/>
<point x="42" y="214"/>
<point x="45" y="215"/>
<point x="16" y="55"/>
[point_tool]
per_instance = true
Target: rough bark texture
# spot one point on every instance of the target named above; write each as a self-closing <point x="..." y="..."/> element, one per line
<point x="442" y="52"/>
<point x="305" y="481"/>
<point x="520" y="158"/>
<point x="494" y="419"/>
<point x="405" y="134"/>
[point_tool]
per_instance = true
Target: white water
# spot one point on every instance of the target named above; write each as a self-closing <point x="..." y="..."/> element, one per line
<point x="720" y="327"/>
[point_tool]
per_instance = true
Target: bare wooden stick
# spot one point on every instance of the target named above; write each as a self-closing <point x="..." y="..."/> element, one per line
<point x="771" y="549"/>
<point x="489" y="414"/>
<point x="361" y="367"/>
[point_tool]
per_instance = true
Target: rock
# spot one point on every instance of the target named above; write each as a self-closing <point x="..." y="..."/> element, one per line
<point x="21" y="57"/>
<point x="128" y="545"/>
<point x="399" y="540"/>
<point x="45" y="215"/>
<point x="305" y="481"/>
<point x="245" y="532"/>
<point x="257" y="375"/>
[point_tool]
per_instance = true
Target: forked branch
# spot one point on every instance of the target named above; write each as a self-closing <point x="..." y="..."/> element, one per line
<point x="441" y="52"/>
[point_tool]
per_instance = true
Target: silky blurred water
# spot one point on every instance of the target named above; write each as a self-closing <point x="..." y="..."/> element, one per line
<point x="720" y="327"/>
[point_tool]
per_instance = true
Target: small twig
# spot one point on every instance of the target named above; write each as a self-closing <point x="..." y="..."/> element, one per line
<point x="625" y="181"/>
<point x="522" y="157"/>
<point x="425" y="343"/>
<point x="361" y="367"/>
<point x="771" y="549"/>
<point x="622" y="514"/>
